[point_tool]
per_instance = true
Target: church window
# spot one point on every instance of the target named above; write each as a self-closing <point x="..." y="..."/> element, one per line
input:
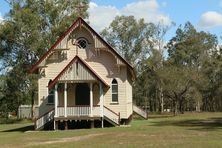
<point x="82" y="42"/>
<point x="114" y="91"/>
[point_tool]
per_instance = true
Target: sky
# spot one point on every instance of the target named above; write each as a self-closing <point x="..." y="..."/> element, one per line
<point x="205" y="15"/>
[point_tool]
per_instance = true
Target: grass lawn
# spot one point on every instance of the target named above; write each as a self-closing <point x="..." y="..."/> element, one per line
<point x="198" y="130"/>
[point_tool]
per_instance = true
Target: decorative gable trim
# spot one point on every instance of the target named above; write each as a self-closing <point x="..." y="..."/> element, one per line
<point x="44" y="56"/>
<point x="77" y="23"/>
<point x="91" y="73"/>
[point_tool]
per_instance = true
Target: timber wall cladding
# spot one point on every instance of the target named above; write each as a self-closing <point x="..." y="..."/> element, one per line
<point x="77" y="71"/>
<point x="104" y="63"/>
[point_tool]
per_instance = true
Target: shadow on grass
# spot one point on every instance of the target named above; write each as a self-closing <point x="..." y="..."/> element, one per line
<point x="9" y="120"/>
<point x="160" y="116"/>
<point x="21" y="129"/>
<point x="153" y="116"/>
<point x="193" y="124"/>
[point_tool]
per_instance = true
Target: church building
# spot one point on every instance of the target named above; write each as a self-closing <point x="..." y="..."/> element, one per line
<point x="83" y="81"/>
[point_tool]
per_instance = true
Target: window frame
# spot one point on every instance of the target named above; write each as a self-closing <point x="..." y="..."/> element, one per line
<point x="51" y="93"/>
<point x="83" y="39"/>
<point x="115" y="83"/>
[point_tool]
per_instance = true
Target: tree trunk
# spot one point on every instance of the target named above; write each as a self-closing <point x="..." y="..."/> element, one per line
<point x="33" y="106"/>
<point x="161" y="100"/>
<point x="175" y="103"/>
<point x="175" y="108"/>
<point x="181" y="105"/>
<point x="151" y="105"/>
<point x="156" y="101"/>
<point x="198" y="106"/>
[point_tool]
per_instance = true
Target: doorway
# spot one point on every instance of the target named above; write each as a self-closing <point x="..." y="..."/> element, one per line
<point x="82" y="94"/>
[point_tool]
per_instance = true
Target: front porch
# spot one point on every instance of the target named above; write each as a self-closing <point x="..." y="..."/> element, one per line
<point x="78" y="101"/>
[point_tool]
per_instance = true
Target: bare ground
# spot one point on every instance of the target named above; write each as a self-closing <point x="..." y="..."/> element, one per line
<point x="64" y="140"/>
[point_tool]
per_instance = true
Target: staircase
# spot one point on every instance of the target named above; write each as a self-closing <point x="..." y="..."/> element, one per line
<point x="140" y="111"/>
<point x="111" y="116"/>
<point x="44" y="119"/>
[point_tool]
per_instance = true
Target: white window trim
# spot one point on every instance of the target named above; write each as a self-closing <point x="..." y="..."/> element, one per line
<point x="116" y="84"/>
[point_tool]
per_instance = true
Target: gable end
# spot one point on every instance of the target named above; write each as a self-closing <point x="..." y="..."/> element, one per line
<point x="90" y="74"/>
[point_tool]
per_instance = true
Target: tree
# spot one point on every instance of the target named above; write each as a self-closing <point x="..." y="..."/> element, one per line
<point x="212" y="70"/>
<point x="176" y="83"/>
<point x="131" y="38"/>
<point x="150" y="66"/>
<point x="156" y="59"/>
<point x="30" y="28"/>
<point x="191" y="49"/>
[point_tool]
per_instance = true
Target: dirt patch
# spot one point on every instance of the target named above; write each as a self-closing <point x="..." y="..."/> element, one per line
<point x="64" y="140"/>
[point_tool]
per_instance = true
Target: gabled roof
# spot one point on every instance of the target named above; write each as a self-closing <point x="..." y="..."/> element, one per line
<point x="74" y="60"/>
<point x="79" y="21"/>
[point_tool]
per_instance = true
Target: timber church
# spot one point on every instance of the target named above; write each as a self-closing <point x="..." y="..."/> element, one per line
<point x="83" y="81"/>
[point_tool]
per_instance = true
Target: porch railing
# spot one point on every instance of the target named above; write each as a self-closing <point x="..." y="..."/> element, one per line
<point x="78" y="111"/>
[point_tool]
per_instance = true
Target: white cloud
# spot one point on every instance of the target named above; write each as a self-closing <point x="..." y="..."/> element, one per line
<point x="141" y="7"/>
<point x="148" y="9"/>
<point x="101" y="16"/>
<point x="1" y="18"/>
<point x="210" y="19"/>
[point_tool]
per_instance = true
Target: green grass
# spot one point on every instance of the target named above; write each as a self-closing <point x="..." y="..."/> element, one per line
<point x="191" y="130"/>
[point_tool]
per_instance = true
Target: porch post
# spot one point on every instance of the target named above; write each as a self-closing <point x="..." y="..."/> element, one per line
<point x="101" y="103"/>
<point x="91" y="100"/>
<point x="56" y="99"/>
<point x="65" y="98"/>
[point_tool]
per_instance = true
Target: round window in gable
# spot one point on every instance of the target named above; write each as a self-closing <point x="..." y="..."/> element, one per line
<point x="82" y="43"/>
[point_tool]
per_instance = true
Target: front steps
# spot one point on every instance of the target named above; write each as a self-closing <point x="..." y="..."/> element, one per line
<point x="140" y="112"/>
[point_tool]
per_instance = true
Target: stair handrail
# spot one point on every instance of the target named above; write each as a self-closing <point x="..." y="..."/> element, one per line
<point x="142" y="110"/>
<point x="116" y="114"/>
<point x="43" y="115"/>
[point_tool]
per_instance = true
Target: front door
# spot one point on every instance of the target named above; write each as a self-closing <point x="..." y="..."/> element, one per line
<point x="82" y="94"/>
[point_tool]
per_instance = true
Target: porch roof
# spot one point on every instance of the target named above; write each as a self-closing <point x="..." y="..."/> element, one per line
<point x="74" y="60"/>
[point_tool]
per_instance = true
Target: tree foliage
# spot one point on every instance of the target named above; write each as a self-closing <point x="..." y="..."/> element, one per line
<point x="131" y="38"/>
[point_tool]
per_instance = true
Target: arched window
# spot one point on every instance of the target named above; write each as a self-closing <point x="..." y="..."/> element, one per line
<point x="114" y="91"/>
<point x="82" y="42"/>
<point x="51" y="96"/>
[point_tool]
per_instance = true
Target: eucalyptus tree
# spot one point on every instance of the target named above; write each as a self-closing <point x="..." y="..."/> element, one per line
<point x="192" y="49"/>
<point x="130" y="37"/>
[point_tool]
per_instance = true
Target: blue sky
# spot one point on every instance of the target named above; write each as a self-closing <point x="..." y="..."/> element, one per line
<point x="203" y="14"/>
